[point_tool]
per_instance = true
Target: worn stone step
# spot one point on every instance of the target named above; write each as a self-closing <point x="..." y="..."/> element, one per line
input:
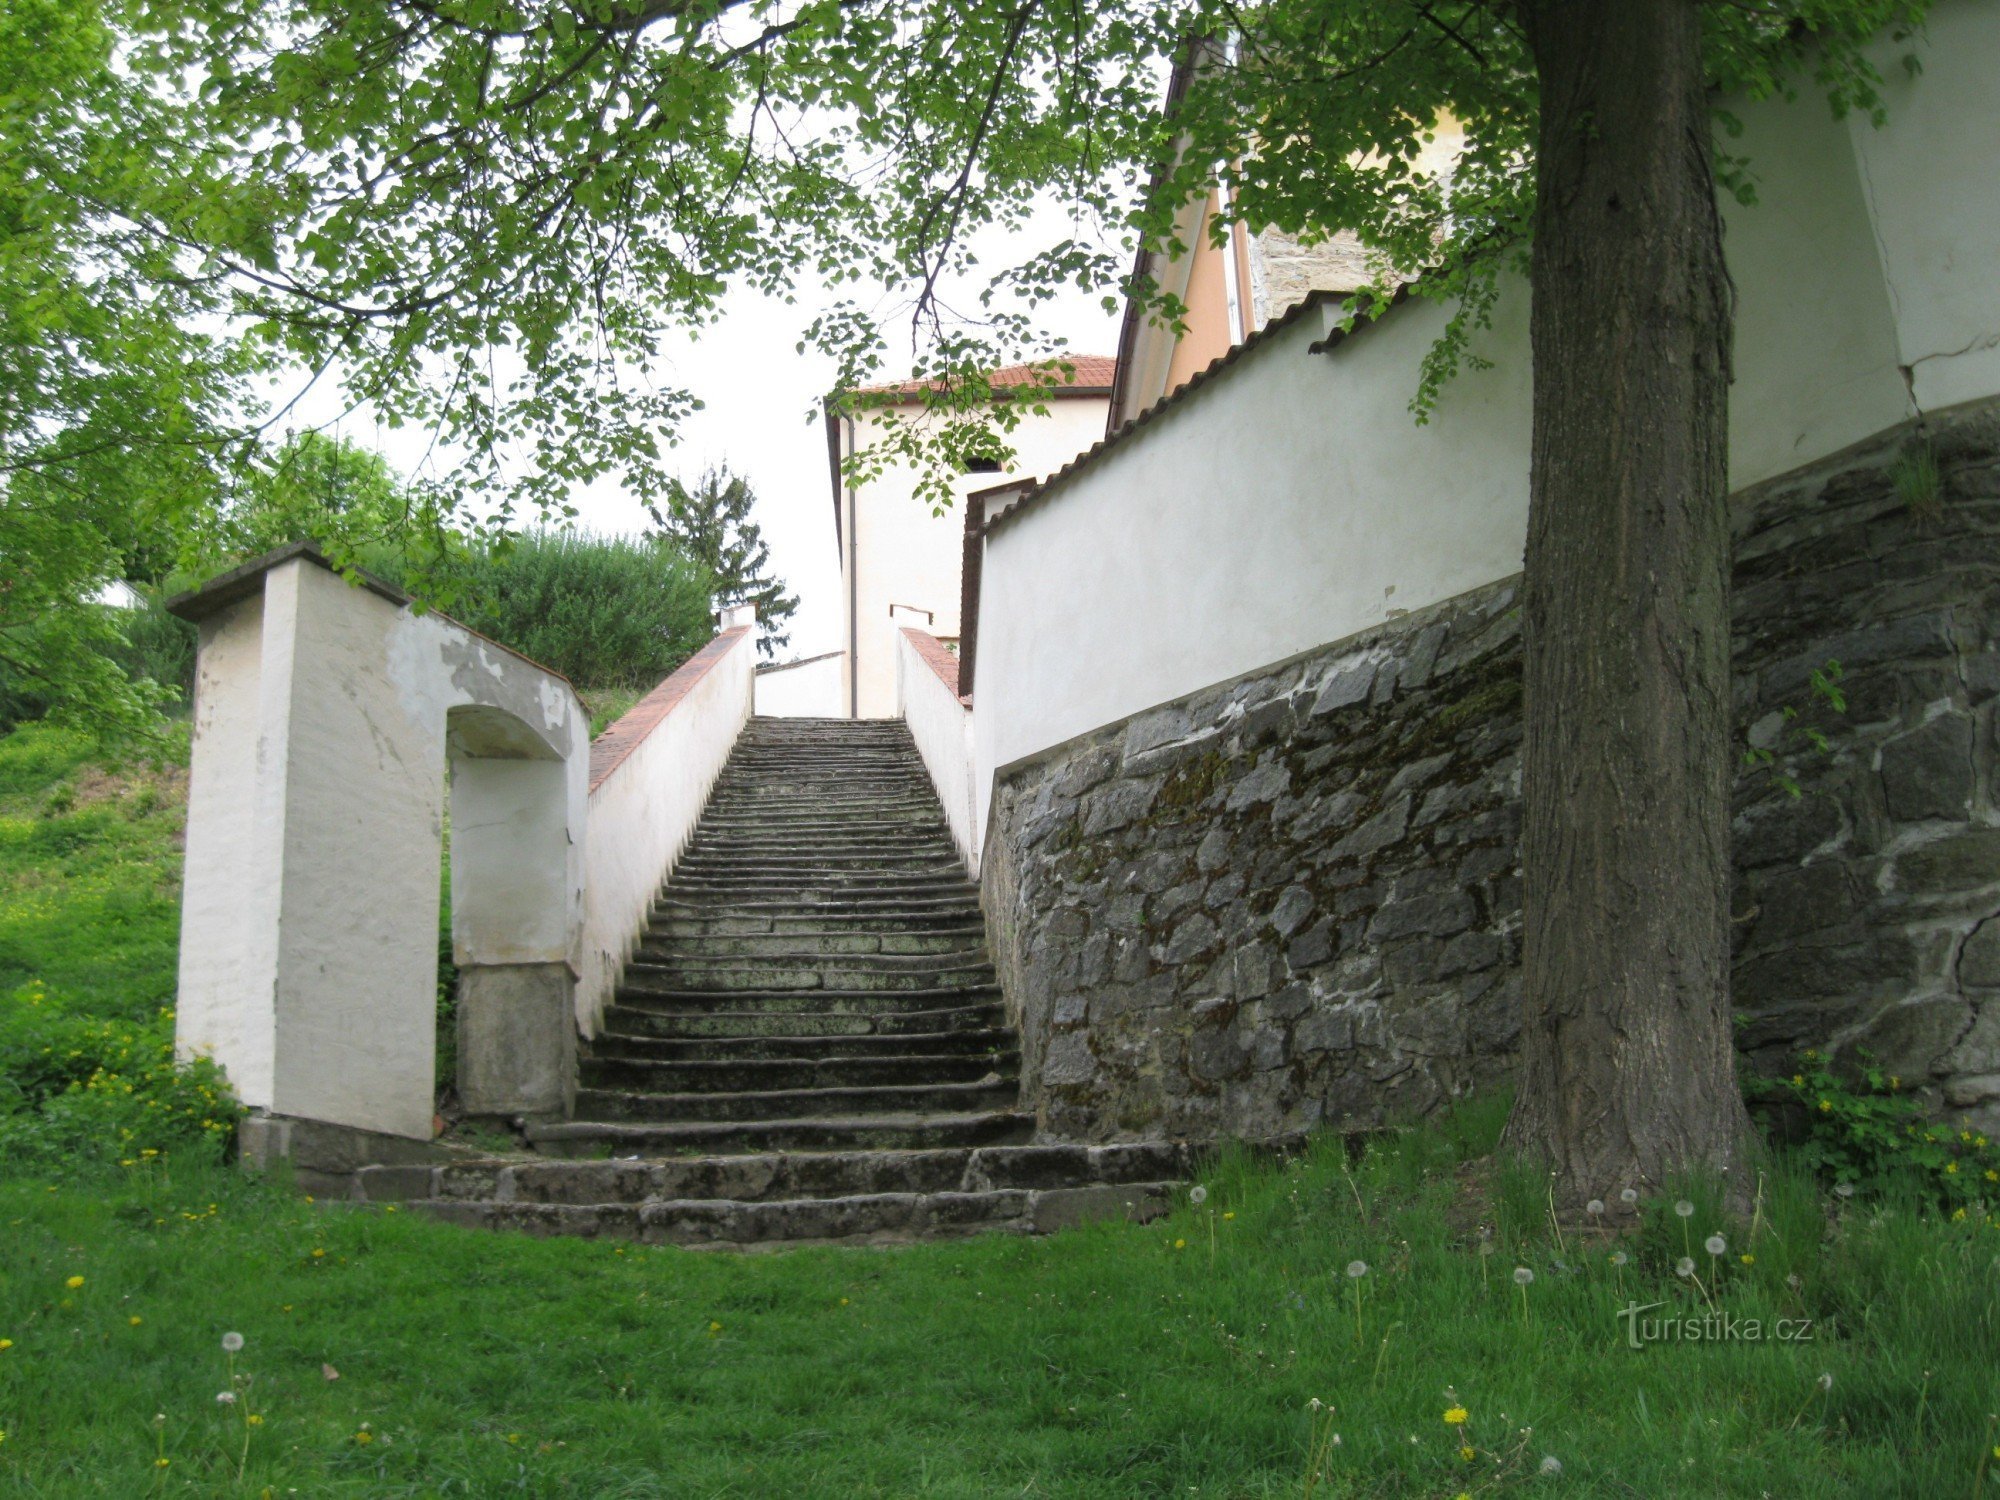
<point x="732" y="1137"/>
<point x="889" y="922"/>
<point x="769" y="1177"/>
<point x="615" y="1041"/>
<point x="816" y="871"/>
<point x="709" y="907"/>
<point x="628" y="1075"/>
<point x="657" y="987"/>
<point x="783" y="1101"/>
<point x="824" y="893"/>
<point x="989" y="1092"/>
<point x="878" y="1219"/>
<point x="774" y="1176"/>
<point x="707" y="1022"/>
<point x="854" y="843"/>
<point x="818" y="820"/>
<point x="699" y="969"/>
<point x="960" y="937"/>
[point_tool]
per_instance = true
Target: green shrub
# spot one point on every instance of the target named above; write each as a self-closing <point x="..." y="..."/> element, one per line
<point x="146" y="644"/>
<point x="79" y="1090"/>
<point x="605" y="611"/>
<point x="1862" y="1131"/>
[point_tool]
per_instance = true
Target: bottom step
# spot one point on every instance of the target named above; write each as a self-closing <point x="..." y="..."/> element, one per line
<point x="880" y="1218"/>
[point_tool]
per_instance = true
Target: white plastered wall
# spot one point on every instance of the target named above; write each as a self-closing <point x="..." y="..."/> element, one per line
<point x="1292" y="501"/>
<point x="803" y="690"/>
<point x="644" y="812"/>
<point x="942" y="727"/>
<point x="316" y="802"/>
<point x="904" y="555"/>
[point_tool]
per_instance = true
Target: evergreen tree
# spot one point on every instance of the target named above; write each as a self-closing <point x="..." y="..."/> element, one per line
<point x="710" y="525"/>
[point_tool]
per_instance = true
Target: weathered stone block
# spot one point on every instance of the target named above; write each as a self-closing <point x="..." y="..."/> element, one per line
<point x="1118" y="805"/>
<point x="1294" y="905"/>
<point x="1928" y="773"/>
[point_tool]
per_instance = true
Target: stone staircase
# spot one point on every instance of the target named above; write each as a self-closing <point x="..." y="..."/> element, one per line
<point x="808" y="1044"/>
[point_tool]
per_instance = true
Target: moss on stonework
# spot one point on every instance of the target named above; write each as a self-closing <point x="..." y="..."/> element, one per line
<point x="1482" y="704"/>
<point x="1188" y="787"/>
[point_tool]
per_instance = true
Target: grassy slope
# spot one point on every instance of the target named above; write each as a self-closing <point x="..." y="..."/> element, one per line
<point x="1111" y="1361"/>
<point x="90" y="871"/>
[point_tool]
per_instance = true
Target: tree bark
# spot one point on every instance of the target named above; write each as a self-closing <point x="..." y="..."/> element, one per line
<point x="1627" y="1068"/>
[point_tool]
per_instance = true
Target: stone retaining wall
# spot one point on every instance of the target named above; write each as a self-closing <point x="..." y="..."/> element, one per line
<point x="1296" y="897"/>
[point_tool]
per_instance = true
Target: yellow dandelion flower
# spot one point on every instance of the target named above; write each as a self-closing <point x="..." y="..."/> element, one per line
<point x="1748" y="1260"/>
<point x="1951" y="1169"/>
<point x="254" y="1420"/>
<point x="319" y="1255"/>
<point x="1825" y="1105"/>
<point x="1180" y="1244"/>
<point x="1958" y="1216"/>
<point x="364" y="1438"/>
<point x="5" y="1345"/>
<point x="134" y="1322"/>
<point x="843" y="1302"/>
<point x="1457" y="1416"/>
<point x="74" y="1282"/>
<point x="161" y="1463"/>
<point x="1228" y="1215"/>
<point x="715" y="1328"/>
<point x="1798" y="1080"/>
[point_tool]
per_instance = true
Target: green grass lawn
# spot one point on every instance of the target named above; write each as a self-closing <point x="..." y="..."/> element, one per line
<point x="387" y="1356"/>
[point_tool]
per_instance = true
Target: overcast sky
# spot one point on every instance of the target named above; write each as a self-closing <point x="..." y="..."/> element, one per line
<point x="758" y="391"/>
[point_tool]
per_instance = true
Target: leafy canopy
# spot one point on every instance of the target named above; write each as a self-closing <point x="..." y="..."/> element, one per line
<point x="489" y="217"/>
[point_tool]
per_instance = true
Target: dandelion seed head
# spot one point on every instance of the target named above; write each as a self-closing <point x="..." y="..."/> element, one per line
<point x="1197" y="1194"/>
<point x="1825" y="1381"/>
<point x="1715" y="1244"/>
<point x="225" y="1398"/>
<point x="1357" y="1269"/>
<point x="1550" y="1465"/>
<point x="1628" y="1196"/>
<point x="1684" y="1267"/>
<point x="1594" y="1207"/>
<point x="1523" y="1276"/>
<point x="1619" y="1257"/>
<point x="1843" y="1189"/>
<point x="232" y="1343"/>
<point x="1685" y="1209"/>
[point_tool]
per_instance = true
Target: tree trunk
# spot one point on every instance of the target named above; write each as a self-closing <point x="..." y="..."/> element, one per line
<point x="1627" y="1065"/>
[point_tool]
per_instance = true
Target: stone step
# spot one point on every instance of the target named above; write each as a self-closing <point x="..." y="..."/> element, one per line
<point x="972" y="1042"/>
<point x="878" y="1219"/>
<point x="707" y="1022"/>
<point x="814" y="820"/>
<point x="601" y="1072"/>
<point x="700" y="960"/>
<point x="823" y="889"/>
<point x="870" y="838"/>
<point x="807" y="943"/>
<point x="818" y="871"/>
<point x="875" y="1101"/>
<point x="655" y="989"/>
<point x="709" y="907"/>
<point x="733" y="1137"/>
<point x="888" y="922"/>
<point x="777" y="1176"/>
